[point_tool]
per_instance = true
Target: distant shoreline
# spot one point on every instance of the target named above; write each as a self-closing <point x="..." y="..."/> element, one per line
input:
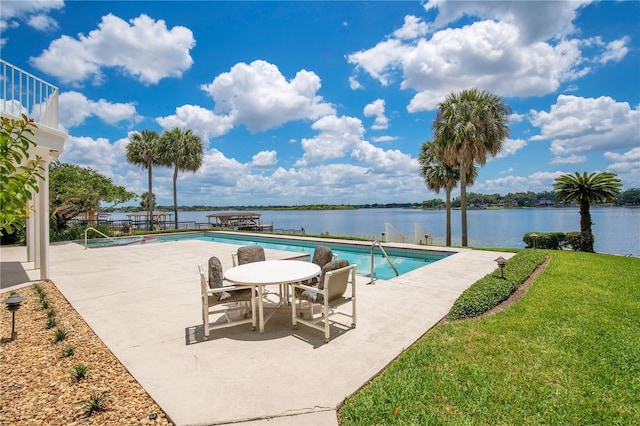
<point x="325" y="207"/>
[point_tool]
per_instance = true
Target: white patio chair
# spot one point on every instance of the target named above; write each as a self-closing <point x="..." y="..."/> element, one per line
<point x="330" y="295"/>
<point x="220" y="299"/>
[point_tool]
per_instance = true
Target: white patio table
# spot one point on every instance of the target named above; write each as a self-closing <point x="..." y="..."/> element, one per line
<point x="270" y="272"/>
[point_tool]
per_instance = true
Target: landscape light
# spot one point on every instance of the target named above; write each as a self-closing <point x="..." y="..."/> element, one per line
<point x="501" y="263"/>
<point x="13" y="303"/>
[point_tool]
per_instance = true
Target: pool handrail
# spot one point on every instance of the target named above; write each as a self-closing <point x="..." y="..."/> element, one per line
<point x="375" y="242"/>
<point x="86" y="244"/>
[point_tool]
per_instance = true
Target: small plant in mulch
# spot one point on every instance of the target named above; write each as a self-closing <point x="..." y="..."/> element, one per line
<point x="44" y="302"/>
<point x="97" y="402"/>
<point x="60" y="334"/>
<point x="51" y="322"/>
<point x="68" y="350"/>
<point x="79" y="372"/>
<point x="39" y="290"/>
<point x="51" y="313"/>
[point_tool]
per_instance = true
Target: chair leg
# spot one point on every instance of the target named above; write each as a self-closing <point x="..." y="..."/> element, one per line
<point x="253" y="311"/>
<point x="205" y="322"/>
<point x="325" y="314"/>
<point x="294" y="314"/>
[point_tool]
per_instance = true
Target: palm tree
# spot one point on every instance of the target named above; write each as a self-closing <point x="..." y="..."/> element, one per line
<point x="182" y="149"/>
<point x="586" y="189"/>
<point x="143" y="151"/>
<point x="468" y="126"/>
<point x="437" y="176"/>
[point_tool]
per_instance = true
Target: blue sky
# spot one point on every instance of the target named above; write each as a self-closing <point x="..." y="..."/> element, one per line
<point x="328" y="102"/>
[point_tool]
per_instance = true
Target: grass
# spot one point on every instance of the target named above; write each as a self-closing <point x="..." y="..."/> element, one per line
<point x="567" y="353"/>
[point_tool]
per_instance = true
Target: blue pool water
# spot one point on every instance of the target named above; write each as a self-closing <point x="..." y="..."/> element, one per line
<point x="404" y="260"/>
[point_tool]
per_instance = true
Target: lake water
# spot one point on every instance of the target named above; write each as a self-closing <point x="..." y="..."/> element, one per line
<point x="616" y="230"/>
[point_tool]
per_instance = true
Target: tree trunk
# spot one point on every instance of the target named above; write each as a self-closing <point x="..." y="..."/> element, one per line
<point x="150" y="199"/>
<point x="585" y="227"/>
<point x="448" y="207"/>
<point x="463" y="202"/>
<point x="175" y="194"/>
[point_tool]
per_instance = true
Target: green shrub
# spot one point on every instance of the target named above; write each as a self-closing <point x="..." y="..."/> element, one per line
<point x="51" y="313"/>
<point x="573" y="240"/>
<point x="39" y="290"/>
<point x="97" y="402"/>
<point x="545" y="240"/>
<point x="79" y="372"/>
<point x="51" y="322"/>
<point x="59" y="335"/>
<point x="76" y="232"/>
<point x="492" y="289"/>
<point x="68" y="351"/>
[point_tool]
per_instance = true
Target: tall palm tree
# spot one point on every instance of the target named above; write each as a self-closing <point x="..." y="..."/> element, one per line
<point x="182" y="149"/>
<point x="437" y="176"/>
<point x="142" y="150"/>
<point x="586" y="189"/>
<point x="468" y="126"/>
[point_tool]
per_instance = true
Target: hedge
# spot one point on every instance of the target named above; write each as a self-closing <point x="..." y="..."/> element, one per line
<point x="492" y="289"/>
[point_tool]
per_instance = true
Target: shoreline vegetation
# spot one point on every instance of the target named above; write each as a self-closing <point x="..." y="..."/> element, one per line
<point x="320" y="207"/>
<point x="519" y="200"/>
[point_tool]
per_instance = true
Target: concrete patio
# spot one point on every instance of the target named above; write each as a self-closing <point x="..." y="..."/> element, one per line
<point x="143" y="301"/>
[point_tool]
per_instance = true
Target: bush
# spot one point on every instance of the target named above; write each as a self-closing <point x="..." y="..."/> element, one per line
<point x="492" y="289"/>
<point x="76" y="232"/>
<point x="573" y="241"/>
<point x="545" y="240"/>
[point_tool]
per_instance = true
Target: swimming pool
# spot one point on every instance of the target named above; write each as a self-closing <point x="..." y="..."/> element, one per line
<point x="404" y="259"/>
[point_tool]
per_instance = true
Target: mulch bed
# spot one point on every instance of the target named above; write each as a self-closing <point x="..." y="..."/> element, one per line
<point x="37" y="381"/>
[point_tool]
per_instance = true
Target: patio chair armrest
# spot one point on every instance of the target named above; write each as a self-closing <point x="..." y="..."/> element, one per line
<point x="308" y="288"/>
<point x="224" y="289"/>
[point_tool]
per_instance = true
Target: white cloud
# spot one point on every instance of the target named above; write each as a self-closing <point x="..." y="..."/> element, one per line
<point x="354" y="83"/>
<point x="338" y="136"/>
<point x="42" y="22"/>
<point x="143" y="48"/>
<point x="264" y="159"/>
<point x="516" y="118"/>
<point x="389" y="162"/>
<point x="33" y="12"/>
<point x="384" y="138"/>
<point x="538" y="20"/>
<point x="626" y="166"/>
<point x="572" y="159"/>
<point x="517" y="49"/>
<point x="577" y="125"/>
<point x="376" y="109"/>
<point x="510" y="147"/>
<point x="616" y="50"/>
<point x="260" y="97"/>
<point x="536" y="182"/>
<point x="201" y="121"/>
<point x="381" y="60"/>
<point x="98" y="154"/>
<point x="75" y="108"/>
<point x="413" y="27"/>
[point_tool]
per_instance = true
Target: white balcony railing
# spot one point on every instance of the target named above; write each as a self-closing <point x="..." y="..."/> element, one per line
<point x="24" y="93"/>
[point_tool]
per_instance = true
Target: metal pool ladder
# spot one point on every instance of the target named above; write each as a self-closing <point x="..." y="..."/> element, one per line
<point x="86" y="246"/>
<point x="376" y="243"/>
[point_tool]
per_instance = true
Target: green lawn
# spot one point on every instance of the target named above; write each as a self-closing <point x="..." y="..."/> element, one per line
<point x="567" y="353"/>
